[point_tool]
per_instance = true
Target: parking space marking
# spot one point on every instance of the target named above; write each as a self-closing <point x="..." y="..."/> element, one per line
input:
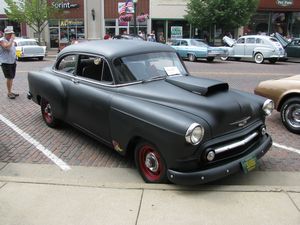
<point x="60" y="163"/>
<point x="287" y="148"/>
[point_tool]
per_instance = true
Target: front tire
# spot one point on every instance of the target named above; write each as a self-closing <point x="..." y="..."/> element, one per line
<point x="192" y="57"/>
<point x="210" y="59"/>
<point x="290" y="114"/>
<point x="47" y="114"/>
<point x="224" y="58"/>
<point x="150" y="163"/>
<point x="259" y="58"/>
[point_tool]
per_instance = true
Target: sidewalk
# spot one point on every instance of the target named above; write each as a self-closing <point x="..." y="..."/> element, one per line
<point x="51" y="53"/>
<point x="42" y="194"/>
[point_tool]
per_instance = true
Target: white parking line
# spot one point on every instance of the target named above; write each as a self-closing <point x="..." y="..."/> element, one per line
<point x="287" y="148"/>
<point x="40" y="147"/>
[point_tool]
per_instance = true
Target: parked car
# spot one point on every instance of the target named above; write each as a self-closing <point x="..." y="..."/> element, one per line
<point x="257" y="47"/>
<point x="29" y="48"/>
<point x="128" y="37"/>
<point x="286" y="95"/>
<point x="139" y="98"/>
<point x="292" y="47"/>
<point x="194" y="49"/>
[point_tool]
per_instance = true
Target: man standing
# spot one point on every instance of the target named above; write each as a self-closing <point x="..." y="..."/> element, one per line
<point x="8" y="59"/>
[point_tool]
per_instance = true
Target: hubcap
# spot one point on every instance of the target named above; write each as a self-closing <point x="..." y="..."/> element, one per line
<point x="293" y="115"/>
<point x="259" y="58"/>
<point x="151" y="162"/>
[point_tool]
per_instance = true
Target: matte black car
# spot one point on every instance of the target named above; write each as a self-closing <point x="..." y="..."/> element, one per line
<point x="139" y="98"/>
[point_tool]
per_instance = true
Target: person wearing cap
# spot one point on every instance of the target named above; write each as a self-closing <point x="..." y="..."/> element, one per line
<point x="8" y="60"/>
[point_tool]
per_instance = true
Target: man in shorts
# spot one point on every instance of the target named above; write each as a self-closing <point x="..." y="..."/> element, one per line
<point x="8" y="60"/>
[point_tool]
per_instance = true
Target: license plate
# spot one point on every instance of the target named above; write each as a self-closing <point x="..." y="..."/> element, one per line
<point x="249" y="164"/>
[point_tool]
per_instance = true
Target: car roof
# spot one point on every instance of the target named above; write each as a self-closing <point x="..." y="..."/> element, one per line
<point x="24" y="39"/>
<point x="116" y="48"/>
<point x="257" y="36"/>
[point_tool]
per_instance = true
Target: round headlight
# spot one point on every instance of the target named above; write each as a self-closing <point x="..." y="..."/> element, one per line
<point x="194" y="134"/>
<point x="268" y="107"/>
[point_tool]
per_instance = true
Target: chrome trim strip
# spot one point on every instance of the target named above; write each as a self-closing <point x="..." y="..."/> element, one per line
<point x="236" y="144"/>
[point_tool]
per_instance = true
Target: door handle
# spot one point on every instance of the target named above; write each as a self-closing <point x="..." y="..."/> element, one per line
<point x="75" y="81"/>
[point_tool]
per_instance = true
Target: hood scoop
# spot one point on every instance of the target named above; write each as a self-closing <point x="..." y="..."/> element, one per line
<point x="198" y="85"/>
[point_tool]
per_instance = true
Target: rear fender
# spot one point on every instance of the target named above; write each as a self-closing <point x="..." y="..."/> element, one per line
<point x="42" y="84"/>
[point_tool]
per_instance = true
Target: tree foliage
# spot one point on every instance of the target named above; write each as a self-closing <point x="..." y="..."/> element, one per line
<point x="224" y="13"/>
<point x="35" y="13"/>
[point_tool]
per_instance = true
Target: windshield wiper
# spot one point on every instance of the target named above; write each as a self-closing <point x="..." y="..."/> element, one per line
<point x="154" y="78"/>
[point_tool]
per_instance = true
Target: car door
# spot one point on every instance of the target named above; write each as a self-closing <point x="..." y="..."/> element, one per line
<point x="249" y="46"/>
<point x="293" y="49"/>
<point x="183" y="48"/>
<point x="90" y="96"/>
<point x="239" y="47"/>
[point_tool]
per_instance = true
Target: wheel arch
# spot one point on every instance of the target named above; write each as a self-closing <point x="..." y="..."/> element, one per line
<point x="285" y="97"/>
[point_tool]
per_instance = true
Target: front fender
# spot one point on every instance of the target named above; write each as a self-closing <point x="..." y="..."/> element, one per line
<point x="162" y="126"/>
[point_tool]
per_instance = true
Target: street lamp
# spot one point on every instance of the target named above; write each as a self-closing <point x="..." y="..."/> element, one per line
<point x="134" y="17"/>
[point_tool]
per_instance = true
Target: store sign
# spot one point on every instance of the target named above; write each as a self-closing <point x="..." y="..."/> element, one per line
<point x="176" y="32"/>
<point x="285" y="2"/>
<point x="67" y="23"/>
<point x="65" y="5"/>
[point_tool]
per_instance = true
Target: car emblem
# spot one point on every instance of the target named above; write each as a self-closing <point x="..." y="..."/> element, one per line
<point x="242" y="122"/>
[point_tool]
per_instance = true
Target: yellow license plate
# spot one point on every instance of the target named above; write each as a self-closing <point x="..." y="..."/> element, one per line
<point x="249" y="164"/>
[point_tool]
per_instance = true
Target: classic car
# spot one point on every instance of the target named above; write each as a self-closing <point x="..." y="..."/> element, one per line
<point x="140" y="99"/>
<point x="257" y="47"/>
<point x="286" y="95"/>
<point x="292" y="47"/>
<point x="29" y="48"/>
<point x="128" y="37"/>
<point x="194" y="49"/>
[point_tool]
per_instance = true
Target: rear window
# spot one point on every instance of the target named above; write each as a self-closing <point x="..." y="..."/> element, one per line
<point x="273" y="39"/>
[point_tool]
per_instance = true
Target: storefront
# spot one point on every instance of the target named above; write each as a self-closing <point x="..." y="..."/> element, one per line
<point x="115" y="26"/>
<point x="68" y="24"/>
<point x="282" y="16"/>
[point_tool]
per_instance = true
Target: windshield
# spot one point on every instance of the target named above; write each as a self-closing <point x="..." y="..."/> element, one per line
<point x="147" y="67"/>
<point x="198" y="43"/>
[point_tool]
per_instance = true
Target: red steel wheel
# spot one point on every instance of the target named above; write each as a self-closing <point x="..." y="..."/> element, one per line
<point x="150" y="163"/>
<point x="47" y="115"/>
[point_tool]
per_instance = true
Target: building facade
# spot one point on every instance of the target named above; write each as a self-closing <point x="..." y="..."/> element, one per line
<point x="92" y="19"/>
<point x="282" y="16"/>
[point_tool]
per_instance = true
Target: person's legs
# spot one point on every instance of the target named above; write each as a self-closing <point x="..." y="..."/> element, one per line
<point x="9" y="83"/>
<point x="9" y="71"/>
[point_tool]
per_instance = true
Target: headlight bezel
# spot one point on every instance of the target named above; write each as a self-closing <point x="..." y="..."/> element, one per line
<point x="268" y="107"/>
<point x="191" y="135"/>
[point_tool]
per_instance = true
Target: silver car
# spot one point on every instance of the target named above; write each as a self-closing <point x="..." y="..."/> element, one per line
<point x="258" y="47"/>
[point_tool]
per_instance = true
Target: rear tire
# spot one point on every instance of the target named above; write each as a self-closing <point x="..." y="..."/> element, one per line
<point x="150" y="163"/>
<point x="192" y="57"/>
<point x="47" y="114"/>
<point x="272" y="61"/>
<point x="41" y="58"/>
<point x="259" y="58"/>
<point x="290" y="114"/>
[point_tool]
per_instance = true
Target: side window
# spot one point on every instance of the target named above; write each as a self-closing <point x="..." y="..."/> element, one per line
<point x="106" y="74"/>
<point x="259" y="41"/>
<point x="250" y="40"/>
<point x="175" y="43"/>
<point x="90" y="67"/>
<point x="241" y="41"/>
<point x="67" y="64"/>
<point x="95" y="68"/>
<point x="184" y="43"/>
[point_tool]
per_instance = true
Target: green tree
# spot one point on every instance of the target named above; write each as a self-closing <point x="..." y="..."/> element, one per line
<point x="227" y="14"/>
<point x="35" y="13"/>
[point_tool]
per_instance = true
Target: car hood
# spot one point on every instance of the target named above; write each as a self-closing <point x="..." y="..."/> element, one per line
<point x="229" y="41"/>
<point x="208" y="99"/>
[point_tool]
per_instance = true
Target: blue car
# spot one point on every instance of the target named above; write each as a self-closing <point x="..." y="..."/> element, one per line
<point x="194" y="49"/>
